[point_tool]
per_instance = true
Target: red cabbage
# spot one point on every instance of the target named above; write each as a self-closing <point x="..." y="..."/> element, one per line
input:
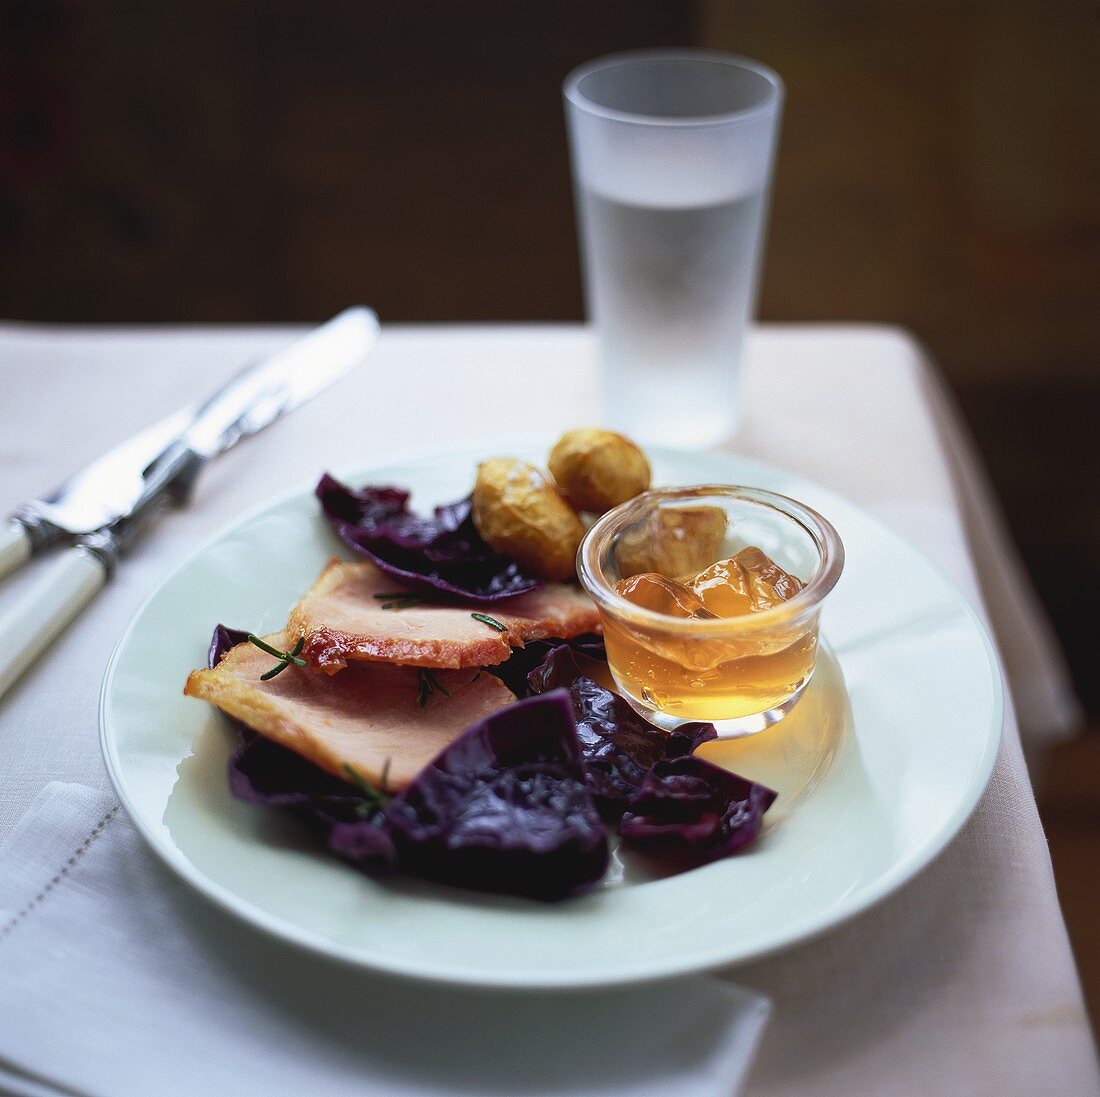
<point x="515" y="671"/>
<point x="505" y="808"/>
<point x="365" y="842"/>
<point x="441" y="556"/>
<point x="694" y="812"/>
<point x="620" y="747"/>
<point x="223" y="639"/>
<point x="263" y="772"/>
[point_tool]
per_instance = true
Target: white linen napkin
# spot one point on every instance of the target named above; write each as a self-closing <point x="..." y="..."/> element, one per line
<point x="116" y="980"/>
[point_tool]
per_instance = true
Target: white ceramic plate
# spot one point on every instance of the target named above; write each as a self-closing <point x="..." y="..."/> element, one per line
<point x="877" y="767"/>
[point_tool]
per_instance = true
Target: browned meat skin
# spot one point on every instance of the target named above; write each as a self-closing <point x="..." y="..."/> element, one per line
<point x="342" y="621"/>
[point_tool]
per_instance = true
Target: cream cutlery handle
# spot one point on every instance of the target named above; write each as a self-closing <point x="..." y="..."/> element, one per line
<point x="15" y="548"/>
<point x="40" y="616"/>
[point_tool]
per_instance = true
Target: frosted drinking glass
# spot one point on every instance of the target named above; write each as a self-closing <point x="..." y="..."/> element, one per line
<point x="672" y="158"/>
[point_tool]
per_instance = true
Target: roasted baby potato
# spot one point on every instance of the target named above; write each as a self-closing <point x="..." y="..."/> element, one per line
<point x="673" y="541"/>
<point x="598" y="469"/>
<point x="519" y="512"/>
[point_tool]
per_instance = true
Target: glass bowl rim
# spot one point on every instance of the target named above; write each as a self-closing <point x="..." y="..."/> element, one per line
<point x="821" y="531"/>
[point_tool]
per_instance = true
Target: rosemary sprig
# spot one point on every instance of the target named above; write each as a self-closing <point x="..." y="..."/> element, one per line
<point x="377" y="798"/>
<point x="398" y="599"/>
<point x="285" y="657"/>
<point x="427" y="684"/>
<point x="492" y="622"/>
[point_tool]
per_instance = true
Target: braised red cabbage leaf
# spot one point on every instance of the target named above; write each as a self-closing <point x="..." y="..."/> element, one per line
<point x="438" y="557"/>
<point x="505" y="808"/>
<point x="620" y="747"/>
<point x="693" y="812"/>
<point x="515" y="671"/>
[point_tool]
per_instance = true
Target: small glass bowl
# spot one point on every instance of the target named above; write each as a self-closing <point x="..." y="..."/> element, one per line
<point x="740" y="673"/>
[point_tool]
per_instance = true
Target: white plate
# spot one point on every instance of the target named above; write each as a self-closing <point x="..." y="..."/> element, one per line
<point x="877" y="767"/>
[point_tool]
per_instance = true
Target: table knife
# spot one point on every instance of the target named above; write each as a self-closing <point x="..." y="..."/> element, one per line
<point x="102" y="510"/>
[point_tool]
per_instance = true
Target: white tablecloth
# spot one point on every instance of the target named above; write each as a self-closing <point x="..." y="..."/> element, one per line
<point x="961" y="983"/>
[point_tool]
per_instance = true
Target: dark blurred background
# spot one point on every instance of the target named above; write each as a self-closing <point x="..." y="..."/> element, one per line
<point x="257" y="160"/>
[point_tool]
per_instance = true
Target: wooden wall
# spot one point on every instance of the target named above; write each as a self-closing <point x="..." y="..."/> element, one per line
<point x="266" y="159"/>
<point x="940" y="166"/>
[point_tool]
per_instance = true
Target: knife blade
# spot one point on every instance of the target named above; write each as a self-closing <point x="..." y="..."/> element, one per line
<point x="130" y="484"/>
<point x="259" y="395"/>
<point x="250" y="401"/>
<point x="125" y="480"/>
